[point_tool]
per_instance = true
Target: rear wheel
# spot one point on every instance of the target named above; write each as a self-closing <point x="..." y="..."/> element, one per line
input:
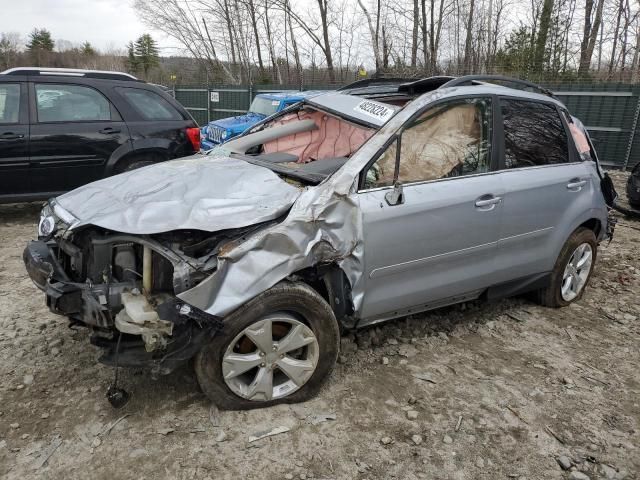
<point x="572" y="270"/>
<point x="278" y="348"/>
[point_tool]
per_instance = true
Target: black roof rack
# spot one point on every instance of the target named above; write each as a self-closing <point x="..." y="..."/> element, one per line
<point x="374" y="81"/>
<point x="70" y="72"/>
<point x="423" y="85"/>
<point x="496" y="78"/>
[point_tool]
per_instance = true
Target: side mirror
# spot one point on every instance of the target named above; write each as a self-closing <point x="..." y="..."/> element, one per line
<point x="395" y="196"/>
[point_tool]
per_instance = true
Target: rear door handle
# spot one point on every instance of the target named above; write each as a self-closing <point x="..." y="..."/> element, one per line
<point x="109" y="130"/>
<point x="576" y="184"/>
<point x="11" y="136"/>
<point x="487" y="201"/>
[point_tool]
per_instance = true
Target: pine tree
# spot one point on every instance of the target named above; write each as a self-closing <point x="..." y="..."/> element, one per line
<point x="88" y="50"/>
<point x="132" y="61"/>
<point x="146" y="53"/>
<point x="40" y="40"/>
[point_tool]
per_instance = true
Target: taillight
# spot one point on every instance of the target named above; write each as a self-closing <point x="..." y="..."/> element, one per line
<point x="193" y="134"/>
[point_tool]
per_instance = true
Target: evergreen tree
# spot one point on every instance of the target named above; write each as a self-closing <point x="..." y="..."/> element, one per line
<point x="132" y="61"/>
<point x="146" y="53"/>
<point x="40" y="40"/>
<point x="87" y="49"/>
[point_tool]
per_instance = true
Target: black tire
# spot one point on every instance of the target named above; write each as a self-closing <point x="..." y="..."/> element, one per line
<point x="296" y="298"/>
<point x="552" y="295"/>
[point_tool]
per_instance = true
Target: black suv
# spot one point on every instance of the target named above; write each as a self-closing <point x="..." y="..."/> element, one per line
<point x="62" y="128"/>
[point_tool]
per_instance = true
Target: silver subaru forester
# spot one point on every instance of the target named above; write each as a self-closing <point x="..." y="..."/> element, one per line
<point x="347" y="209"/>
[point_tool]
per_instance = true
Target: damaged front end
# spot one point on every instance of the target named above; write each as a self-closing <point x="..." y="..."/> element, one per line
<point x="124" y="288"/>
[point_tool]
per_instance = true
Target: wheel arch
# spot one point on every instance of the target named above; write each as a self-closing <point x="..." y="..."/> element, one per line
<point x="332" y="284"/>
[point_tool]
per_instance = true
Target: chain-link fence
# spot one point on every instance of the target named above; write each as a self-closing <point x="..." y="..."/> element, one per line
<point x="609" y="110"/>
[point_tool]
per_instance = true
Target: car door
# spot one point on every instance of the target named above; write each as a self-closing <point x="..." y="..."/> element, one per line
<point x="546" y="187"/>
<point x="14" y="139"/>
<point x="431" y="239"/>
<point x="74" y="133"/>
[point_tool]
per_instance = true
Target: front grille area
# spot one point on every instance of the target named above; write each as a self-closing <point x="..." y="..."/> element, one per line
<point x="215" y="134"/>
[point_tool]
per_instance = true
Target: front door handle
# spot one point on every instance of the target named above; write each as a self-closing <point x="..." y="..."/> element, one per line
<point x="109" y="130"/>
<point x="11" y="136"/>
<point x="487" y="202"/>
<point x="576" y="184"/>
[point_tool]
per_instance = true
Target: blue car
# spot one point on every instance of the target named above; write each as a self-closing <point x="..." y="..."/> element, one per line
<point x="263" y="105"/>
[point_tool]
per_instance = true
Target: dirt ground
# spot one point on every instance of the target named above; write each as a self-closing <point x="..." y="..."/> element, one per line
<point x="495" y="391"/>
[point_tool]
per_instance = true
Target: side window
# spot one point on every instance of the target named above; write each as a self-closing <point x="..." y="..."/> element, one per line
<point x="533" y="134"/>
<point x="9" y="102"/>
<point x="70" y="103"/>
<point x="449" y="140"/>
<point x="150" y="105"/>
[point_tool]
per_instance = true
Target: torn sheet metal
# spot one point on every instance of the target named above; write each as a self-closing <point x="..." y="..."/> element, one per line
<point x="324" y="225"/>
<point x="197" y="192"/>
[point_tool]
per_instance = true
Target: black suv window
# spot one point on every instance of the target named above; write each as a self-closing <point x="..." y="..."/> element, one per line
<point x="150" y="105"/>
<point x="533" y="134"/>
<point x="9" y="102"/>
<point x="70" y="103"/>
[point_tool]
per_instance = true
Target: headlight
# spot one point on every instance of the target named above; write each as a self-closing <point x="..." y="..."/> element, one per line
<point x="46" y="226"/>
<point x="225" y="134"/>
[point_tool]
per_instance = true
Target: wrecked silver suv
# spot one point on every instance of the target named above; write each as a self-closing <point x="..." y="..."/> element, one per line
<point x="347" y="209"/>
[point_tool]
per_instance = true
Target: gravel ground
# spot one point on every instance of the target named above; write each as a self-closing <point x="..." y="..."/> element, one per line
<point x="502" y="390"/>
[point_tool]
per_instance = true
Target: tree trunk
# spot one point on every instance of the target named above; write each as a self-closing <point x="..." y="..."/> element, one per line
<point x="615" y="37"/>
<point x="543" y="32"/>
<point x="272" y="53"/>
<point x="414" y="39"/>
<point x="254" y="26"/>
<point x="374" y="35"/>
<point x="425" y="54"/>
<point x="467" y="42"/>
<point x="589" y="34"/>
<point x="322" y="4"/>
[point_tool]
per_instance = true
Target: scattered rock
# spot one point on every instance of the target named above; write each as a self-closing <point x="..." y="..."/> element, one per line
<point x="608" y="472"/>
<point x="578" y="476"/>
<point x="96" y="442"/>
<point x="447" y="439"/>
<point x="480" y="463"/>
<point x="268" y="433"/>
<point x="288" y="476"/>
<point x="320" y="418"/>
<point x="14" y="426"/>
<point x="412" y="414"/>
<point x="564" y="462"/>
<point x="44" y="415"/>
<point x="28" y="379"/>
<point x="221" y="437"/>
<point x="166" y="431"/>
<point x="385" y="361"/>
<point x="386" y="440"/>
<point x="417" y="439"/>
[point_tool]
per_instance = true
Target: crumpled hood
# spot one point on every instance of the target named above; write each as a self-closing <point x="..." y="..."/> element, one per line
<point x="197" y="192"/>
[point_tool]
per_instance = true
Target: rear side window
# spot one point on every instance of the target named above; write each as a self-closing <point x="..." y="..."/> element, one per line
<point x="150" y="105"/>
<point x="9" y="102"/>
<point x="533" y="134"/>
<point x="70" y="103"/>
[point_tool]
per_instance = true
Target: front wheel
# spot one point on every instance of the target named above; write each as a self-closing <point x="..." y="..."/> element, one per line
<point x="278" y="348"/>
<point x="572" y="270"/>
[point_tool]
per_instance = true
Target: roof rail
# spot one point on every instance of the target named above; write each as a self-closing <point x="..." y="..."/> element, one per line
<point x="423" y="85"/>
<point x="496" y="78"/>
<point x="69" y="72"/>
<point x="367" y="82"/>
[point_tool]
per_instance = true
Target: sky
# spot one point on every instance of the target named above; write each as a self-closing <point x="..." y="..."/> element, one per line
<point x="106" y="24"/>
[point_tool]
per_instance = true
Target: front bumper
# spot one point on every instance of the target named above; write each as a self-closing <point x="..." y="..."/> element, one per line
<point x="97" y="305"/>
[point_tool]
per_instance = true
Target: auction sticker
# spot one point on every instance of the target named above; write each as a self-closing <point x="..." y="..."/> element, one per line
<point x="375" y="110"/>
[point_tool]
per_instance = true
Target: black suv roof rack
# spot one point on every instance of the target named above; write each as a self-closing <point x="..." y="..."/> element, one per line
<point x="70" y="72"/>
<point x="496" y="78"/>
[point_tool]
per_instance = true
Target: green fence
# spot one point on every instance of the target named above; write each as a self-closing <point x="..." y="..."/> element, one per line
<point x="608" y="110"/>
